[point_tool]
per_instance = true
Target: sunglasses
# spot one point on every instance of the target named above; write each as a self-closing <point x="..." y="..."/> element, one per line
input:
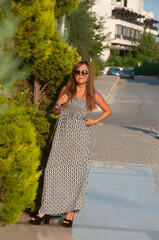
<point x="84" y="72"/>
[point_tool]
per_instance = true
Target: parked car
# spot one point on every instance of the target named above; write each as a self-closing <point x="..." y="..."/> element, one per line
<point x="103" y="72"/>
<point x="127" y="73"/>
<point x="114" y="71"/>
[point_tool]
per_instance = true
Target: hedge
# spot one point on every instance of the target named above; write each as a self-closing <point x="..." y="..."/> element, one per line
<point x="19" y="161"/>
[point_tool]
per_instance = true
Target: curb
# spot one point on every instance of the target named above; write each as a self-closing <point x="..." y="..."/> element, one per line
<point x="108" y="95"/>
<point x="111" y="90"/>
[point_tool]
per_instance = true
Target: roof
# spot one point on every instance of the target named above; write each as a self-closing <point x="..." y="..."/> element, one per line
<point x="119" y="9"/>
<point x="151" y="20"/>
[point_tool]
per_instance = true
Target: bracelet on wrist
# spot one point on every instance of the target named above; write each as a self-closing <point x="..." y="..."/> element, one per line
<point x="95" y="122"/>
<point x="57" y="107"/>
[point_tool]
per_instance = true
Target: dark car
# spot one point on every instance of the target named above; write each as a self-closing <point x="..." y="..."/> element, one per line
<point x="127" y="73"/>
<point x="114" y="71"/>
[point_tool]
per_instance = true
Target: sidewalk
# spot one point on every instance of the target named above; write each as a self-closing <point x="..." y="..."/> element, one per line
<point x="122" y="203"/>
<point x="106" y="84"/>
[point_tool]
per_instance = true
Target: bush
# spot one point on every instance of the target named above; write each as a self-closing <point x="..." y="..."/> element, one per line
<point x="98" y="65"/>
<point x="55" y="71"/>
<point x="147" y="68"/>
<point x="118" y="61"/>
<point x="19" y="161"/>
<point x="95" y="68"/>
<point x="37" y="117"/>
<point x="44" y="124"/>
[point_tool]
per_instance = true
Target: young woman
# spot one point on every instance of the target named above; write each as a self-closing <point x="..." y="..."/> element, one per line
<point x="67" y="170"/>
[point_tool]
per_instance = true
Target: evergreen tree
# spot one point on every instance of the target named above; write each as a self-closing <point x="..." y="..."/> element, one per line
<point x="146" y="48"/>
<point x="36" y="41"/>
<point x="147" y="54"/>
<point x="35" y="33"/>
<point x="55" y="71"/>
<point x="86" y="31"/>
<point x="36" y="28"/>
<point x="64" y="7"/>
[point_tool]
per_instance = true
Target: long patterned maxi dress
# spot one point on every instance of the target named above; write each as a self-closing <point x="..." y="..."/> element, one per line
<point x="67" y="170"/>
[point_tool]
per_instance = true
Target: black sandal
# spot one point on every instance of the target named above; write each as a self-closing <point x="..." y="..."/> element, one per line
<point x="38" y="220"/>
<point x="67" y="222"/>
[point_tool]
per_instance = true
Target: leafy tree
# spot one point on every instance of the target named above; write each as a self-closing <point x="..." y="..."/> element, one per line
<point x="118" y="61"/>
<point x="64" y="7"/>
<point x="147" y="54"/>
<point x="98" y="64"/>
<point x="80" y="31"/>
<point x="146" y="48"/>
<point x="98" y="37"/>
<point x="86" y="31"/>
<point x="19" y="161"/>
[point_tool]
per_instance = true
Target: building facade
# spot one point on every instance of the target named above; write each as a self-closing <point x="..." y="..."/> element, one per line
<point x="125" y="22"/>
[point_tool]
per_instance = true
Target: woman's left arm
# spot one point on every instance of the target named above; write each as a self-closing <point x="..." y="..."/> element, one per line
<point x="99" y="100"/>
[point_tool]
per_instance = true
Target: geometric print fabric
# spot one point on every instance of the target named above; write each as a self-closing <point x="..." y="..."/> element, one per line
<point x="67" y="170"/>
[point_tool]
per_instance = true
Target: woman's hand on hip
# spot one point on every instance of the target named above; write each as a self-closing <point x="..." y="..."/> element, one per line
<point x="89" y="122"/>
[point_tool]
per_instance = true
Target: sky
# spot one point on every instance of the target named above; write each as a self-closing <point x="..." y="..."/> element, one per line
<point x="152" y="6"/>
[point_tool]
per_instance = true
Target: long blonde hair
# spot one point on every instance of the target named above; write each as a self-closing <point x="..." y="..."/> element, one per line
<point x="90" y="91"/>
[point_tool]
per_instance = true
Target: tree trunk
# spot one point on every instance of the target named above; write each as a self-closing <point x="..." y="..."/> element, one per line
<point x="63" y="25"/>
<point x="86" y="54"/>
<point x="36" y="92"/>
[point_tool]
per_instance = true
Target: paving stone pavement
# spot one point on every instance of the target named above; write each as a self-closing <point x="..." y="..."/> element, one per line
<point x="125" y="137"/>
<point x="122" y="200"/>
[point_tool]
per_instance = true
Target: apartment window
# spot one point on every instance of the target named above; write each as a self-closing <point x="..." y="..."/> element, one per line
<point x="125" y="3"/>
<point x="118" y="31"/>
<point x="132" y="33"/>
<point x="124" y="32"/>
<point x="118" y="0"/>
<point x="129" y="33"/>
<point x="137" y="34"/>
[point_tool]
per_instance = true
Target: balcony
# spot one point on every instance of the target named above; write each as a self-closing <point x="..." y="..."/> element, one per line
<point x="127" y="15"/>
<point x="149" y="23"/>
<point x="124" y="18"/>
<point x="132" y="17"/>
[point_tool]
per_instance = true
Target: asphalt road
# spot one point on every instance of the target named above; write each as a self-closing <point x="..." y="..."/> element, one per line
<point x="125" y="137"/>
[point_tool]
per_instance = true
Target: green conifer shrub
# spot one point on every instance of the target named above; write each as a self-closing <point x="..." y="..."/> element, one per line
<point x="63" y="7"/>
<point x="36" y="117"/>
<point x="36" y="28"/>
<point x="44" y="125"/>
<point x="19" y="161"/>
<point x="55" y="71"/>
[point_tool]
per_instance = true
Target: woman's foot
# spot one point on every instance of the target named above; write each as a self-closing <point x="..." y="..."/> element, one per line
<point x="39" y="218"/>
<point x="68" y="220"/>
<point x="39" y="215"/>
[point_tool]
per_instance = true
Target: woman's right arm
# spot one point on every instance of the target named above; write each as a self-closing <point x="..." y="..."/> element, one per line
<point x="61" y="100"/>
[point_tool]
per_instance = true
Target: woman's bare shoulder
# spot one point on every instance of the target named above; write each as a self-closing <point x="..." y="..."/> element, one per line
<point x="97" y="95"/>
<point x="62" y="91"/>
<point x="63" y="88"/>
